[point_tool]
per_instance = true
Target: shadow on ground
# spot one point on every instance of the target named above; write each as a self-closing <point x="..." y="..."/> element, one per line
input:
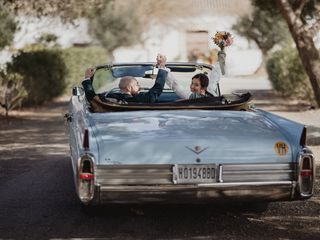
<point x="269" y="100"/>
<point x="38" y="200"/>
<point x="40" y="203"/>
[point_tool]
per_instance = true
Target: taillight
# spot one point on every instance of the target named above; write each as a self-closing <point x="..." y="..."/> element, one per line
<point x="306" y="167"/>
<point x="86" y="185"/>
<point x="306" y="175"/>
<point x="86" y="176"/>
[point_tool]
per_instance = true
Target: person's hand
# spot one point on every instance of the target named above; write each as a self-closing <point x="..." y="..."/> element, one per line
<point x="161" y="60"/>
<point x="88" y="73"/>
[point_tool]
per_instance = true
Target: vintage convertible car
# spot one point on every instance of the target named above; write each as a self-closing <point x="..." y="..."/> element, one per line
<point x="182" y="151"/>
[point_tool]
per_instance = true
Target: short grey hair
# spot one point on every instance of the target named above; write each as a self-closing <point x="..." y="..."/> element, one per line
<point x="126" y="81"/>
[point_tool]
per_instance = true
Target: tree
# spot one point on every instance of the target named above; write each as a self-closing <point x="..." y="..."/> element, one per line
<point x="48" y="40"/>
<point x="115" y="25"/>
<point x="303" y="20"/>
<point x="298" y="16"/>
<point x="43" y="72"/>
<point x="12" y="91"/>
<point x="67" y="10"/>
<point x="287" y="75"/>
<point x="8" y="27"/>
<point x="263" y="27"/>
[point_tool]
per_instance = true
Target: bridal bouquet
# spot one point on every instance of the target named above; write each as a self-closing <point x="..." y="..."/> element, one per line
<point x="223" y="39"/>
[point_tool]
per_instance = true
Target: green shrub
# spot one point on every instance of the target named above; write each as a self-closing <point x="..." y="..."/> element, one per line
<point x="43" y="73"/>
<point x="287" y="74"/>
<point x="12" y="91"/>
<point x="78" y="60"/>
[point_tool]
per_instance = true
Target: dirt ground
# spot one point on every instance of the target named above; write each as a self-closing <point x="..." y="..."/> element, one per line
<point x="34" y="205"/>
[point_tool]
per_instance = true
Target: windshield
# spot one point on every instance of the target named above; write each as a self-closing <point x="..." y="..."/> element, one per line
<point x="106" y="78"/>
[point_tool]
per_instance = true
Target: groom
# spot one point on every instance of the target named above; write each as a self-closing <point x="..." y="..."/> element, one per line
<point x="129" y="86"/>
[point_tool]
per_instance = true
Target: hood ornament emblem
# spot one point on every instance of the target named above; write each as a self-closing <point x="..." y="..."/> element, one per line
<point x="197" y="149"/>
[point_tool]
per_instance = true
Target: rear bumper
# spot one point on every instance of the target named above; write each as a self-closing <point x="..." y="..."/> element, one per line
<point x="246" y="191"/>
<point x="235" y="182"/>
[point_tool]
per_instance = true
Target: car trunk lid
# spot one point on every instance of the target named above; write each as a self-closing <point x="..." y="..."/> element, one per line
<point x="185" y="137"/>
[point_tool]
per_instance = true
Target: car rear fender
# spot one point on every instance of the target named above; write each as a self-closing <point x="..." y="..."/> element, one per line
<point x="294" y="132"/>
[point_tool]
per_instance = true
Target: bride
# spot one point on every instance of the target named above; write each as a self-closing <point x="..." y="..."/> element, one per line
<point x="202" y="85"/>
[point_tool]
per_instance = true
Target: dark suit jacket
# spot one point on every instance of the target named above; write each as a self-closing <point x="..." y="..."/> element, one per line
<point x="145" y="97"/>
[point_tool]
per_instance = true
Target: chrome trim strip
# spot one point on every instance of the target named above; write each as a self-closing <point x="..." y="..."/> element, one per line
<point x="258" y="172"/>
<point x="195" y="194"/>
<point x="146" y="174"/>
<point x="175" y="173"/>
<point x="257" y="166"/>
<point x="135" y="166"/>
<point x="220" y="173"/>
<point x="198" y="186"/>
<point x="257" y="184"/>
<point x="166" y="174"/>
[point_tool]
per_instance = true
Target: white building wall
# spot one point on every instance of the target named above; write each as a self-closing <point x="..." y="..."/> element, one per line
<point x="242" y="58"/>
<point x="160" y="39"/>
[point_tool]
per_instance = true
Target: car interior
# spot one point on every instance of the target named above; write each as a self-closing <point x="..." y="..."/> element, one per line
<point x="107" y="77"/>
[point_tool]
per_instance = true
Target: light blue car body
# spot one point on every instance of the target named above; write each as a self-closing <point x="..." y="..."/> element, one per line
<point x="133" y="154"/>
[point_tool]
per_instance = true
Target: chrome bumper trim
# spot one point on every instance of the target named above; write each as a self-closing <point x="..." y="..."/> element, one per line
<point x="256" y="184"/>
<point x="201" y="193"/>
<point x="197" y="186"/>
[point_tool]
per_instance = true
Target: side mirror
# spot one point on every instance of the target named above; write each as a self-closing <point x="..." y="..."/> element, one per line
<point x="77" y="91"/>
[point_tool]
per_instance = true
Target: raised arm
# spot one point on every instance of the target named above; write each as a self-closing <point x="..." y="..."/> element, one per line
<point x="218" y="69"/>
<point x="171" y="81"/>
<point x="87" y="84"/>
<point x="222" y="40"/>
<point x="154" y="93"/>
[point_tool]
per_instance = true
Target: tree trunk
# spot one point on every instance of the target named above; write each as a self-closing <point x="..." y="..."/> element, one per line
<point x="261" y="70"/>
<point x="303" y="38"/>
<point x="110" y="55"/>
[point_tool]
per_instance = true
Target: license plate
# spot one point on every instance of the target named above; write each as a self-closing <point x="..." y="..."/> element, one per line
<point x="188" y="173"/>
